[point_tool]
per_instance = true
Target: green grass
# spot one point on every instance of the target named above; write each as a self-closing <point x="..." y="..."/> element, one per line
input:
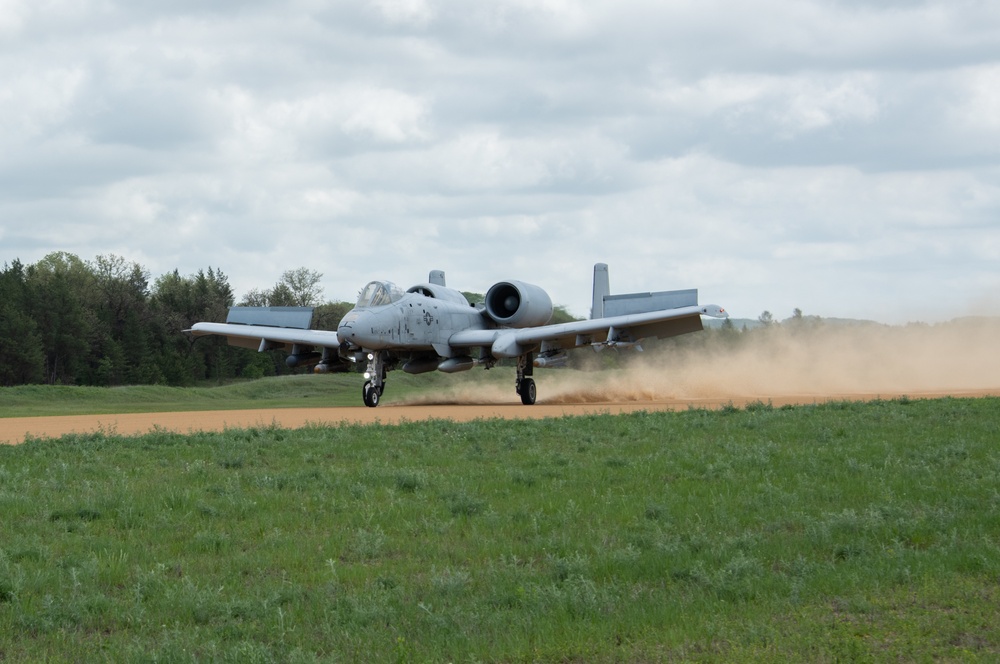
<point x="838" y="532"/>
<point x="298" y="391"/>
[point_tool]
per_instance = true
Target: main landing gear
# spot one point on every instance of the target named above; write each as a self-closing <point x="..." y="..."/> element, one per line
<point x="374" y="380"/>
<point x="525" y="384"/>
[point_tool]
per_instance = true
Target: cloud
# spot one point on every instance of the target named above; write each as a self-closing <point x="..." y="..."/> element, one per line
<point x="775" y="155"/>
<point x="407" y="12"/>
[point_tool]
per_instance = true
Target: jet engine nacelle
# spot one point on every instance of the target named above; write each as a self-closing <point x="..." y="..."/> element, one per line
<point x="517" y="304"/>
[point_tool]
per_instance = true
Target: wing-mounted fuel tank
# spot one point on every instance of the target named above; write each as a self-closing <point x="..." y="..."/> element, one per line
<point x="517" y="304"/>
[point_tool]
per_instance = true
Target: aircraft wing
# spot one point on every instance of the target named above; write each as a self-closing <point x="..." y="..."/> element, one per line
<point x="264" y="337"/>
<point x="611" y="330"/>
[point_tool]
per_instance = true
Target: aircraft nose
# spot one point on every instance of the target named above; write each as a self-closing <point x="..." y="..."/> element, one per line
<point x="346" y="328"/>
<point x="355" y="328"/>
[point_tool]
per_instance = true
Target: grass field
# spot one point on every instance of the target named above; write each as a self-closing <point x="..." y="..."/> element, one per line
<point x="839" y="532"/>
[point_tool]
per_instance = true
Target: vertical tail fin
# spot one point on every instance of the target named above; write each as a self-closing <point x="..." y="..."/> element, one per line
<point x="602" y="289"/>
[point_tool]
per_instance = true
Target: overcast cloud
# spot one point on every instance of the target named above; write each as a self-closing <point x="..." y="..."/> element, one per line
<point x="838" y="156"/>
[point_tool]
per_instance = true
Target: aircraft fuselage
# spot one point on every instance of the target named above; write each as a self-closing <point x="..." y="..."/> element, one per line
<point x="414" y="322"/>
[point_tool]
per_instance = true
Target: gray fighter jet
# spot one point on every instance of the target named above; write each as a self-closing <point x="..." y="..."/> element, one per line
<point x="432" y="327"/>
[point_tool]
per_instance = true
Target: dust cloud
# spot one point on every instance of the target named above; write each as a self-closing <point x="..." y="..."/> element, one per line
<point x="805" y="360"/>
<point x="479" y="388"/>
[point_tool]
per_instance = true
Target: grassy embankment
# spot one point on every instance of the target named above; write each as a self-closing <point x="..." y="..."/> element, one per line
<point x="821" y="533"/>
<point x="300" y="391"/>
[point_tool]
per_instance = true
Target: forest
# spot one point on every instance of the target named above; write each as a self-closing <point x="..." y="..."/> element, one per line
<point x="68" y="321"/>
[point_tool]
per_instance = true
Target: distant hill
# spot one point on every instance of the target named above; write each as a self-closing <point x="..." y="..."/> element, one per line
<point x="751" y="323"/>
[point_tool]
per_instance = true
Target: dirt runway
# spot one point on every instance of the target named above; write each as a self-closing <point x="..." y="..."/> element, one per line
<point x="15" y="430"/>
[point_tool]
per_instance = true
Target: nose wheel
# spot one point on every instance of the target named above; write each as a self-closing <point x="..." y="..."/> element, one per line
<point x="371" y="393"/>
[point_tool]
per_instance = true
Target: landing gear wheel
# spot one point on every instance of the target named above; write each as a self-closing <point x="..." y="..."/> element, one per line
<point x="371" y="395"/>
<point x="374" y="378"/>
<point x="527" y="391"/>
<point x="525" y="386"/>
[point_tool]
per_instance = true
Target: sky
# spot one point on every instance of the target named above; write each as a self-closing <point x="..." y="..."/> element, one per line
<point x="837" y="156"/>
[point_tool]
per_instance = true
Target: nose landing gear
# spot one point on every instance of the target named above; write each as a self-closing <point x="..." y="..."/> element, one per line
<point x="371" y="393"/>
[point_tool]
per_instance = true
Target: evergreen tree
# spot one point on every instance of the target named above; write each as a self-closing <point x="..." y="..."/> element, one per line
<point x="179" y="302"/>
<point x="21" y="356"/>
<point x="58" y="287"/>
<point x="124" y="322"/>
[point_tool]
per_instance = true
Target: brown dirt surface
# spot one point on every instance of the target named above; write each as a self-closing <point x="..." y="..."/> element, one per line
<point x="14" y="430"/>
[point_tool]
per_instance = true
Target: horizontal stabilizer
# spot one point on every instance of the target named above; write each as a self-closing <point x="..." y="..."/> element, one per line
<point x="299" y="318"/>
<point x="641" y="303"/>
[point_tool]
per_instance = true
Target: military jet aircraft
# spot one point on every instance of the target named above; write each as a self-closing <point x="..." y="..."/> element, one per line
<point x="432" y="327"/>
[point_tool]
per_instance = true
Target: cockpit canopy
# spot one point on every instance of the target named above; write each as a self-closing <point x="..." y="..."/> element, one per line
<point x="378" y="293"/>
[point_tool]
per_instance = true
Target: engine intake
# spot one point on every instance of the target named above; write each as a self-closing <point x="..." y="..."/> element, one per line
<point x="517" y="304"/>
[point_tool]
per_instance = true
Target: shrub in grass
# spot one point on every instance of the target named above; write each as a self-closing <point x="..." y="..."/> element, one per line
<point x="408" y="481"/>
<point x="461" y="503"/>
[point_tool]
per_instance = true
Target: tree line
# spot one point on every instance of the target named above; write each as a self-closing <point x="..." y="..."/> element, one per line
<point x="64" y="320"/>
